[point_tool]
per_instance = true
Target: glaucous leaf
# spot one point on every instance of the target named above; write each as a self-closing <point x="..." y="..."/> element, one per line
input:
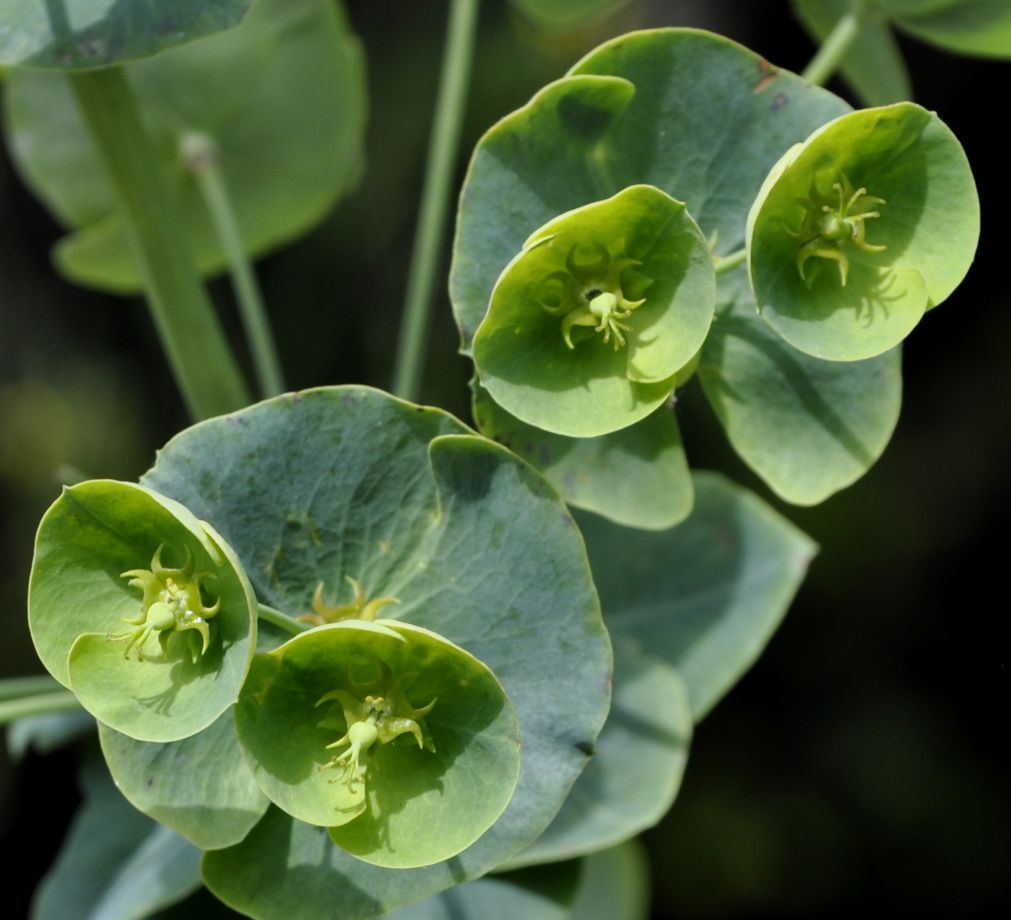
<point x="632" y="780"/>
<point x="200" y="786"/>
<point x="706" y="596"/>
<point x="282" y="98"/>
<point x="858" y="231"/>
<point x="588" y="324"/>
<point x="874" y="66"/>
<point x="808" y="427"/>
<point x="77" y="34"/>
<point x="437" y="759"/>
<point x="122" y="571"/>
<point x="536" y="893"/>
<point x="637" y="476"/>
<point x="115" y="864"/>
<point x="477" y="547"/>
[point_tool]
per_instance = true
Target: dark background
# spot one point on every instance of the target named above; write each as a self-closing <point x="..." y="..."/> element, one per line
<point x="860" y="764"/>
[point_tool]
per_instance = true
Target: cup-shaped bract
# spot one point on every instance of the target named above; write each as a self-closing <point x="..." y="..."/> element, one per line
<point x="140" y="609"/>
<point x="588" y="325"/>
<point x="402" y="743"/>
<point x="859" y="230"/>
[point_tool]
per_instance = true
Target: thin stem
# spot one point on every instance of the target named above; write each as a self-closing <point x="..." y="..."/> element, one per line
<point x="285" y="622"/>
<point x="836" y="45"/>
<point x="37" y="705"/>
<point x="201" y="361"/>
<point x="428" y="238"/>
<point x="724" y="264"/>
<point x="201" y="157"/>
<point x="12" y="688"/>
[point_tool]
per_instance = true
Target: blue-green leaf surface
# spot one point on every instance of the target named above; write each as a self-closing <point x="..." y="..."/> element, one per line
<point x="632" y="780"/>
<point x="478" y="548"/>
<point x="706" y="596"/>
<point x="200" y="786"/>
<point x="808" y="427"/>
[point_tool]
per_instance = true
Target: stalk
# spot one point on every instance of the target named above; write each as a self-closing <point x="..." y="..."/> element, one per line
<point x="428" y="238"/>
<point x="201" y="361"/>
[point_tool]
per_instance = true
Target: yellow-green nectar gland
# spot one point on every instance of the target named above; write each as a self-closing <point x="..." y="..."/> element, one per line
<point x="171" y="601"/>
<point x="358" y="608"/>
<point x="589" y="293"/>
<point x="376" y="719"/>
<point x="828" y="229"/>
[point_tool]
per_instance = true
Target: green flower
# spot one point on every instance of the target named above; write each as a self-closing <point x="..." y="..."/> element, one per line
<point x="858" y="231"/>
<point x="588" y="326"/>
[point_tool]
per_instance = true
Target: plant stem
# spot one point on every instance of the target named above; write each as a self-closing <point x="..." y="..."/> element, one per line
<point x="837" y="43"/>
<point x="37" y="705"/>
<point x="201" y="361"/>
<point x="285" y="622"/>
<point x="15" y="687"/>
<point x="428" y="238"/>
<point x="724" y="264"/>
<point x="201" y="157"/>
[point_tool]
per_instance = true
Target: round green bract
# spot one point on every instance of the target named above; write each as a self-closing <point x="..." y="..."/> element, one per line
<point x="598" y="385"/>
<point x="904" y="168"/>
<point x="78" y="599"/>
<point x="415" y="806"/>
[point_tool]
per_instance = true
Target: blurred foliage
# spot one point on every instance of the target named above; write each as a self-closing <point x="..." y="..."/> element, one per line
<point x="861" y="762"/>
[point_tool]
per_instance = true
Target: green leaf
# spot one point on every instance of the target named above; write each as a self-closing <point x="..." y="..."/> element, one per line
<point x="72" y="34"/>
<point x="980" y="27"/>
<point x="632" y="780"/>
<point x="115" y="864"/>
<point x="615" y="883"/>
<point x="283" y="100"/>
<point x="95" y="595"/>
<point x="348" y="481"/>
<point x="637" y="476"/>
<point x="539" y="893"/>
<point x="871" y="221"/>
<point x="874" y="67"/>
<point x="200" y="786"/>
<point x="403" y="801"/>
<point x="706" y="596"/>
<point x="639" y="109"/>
<point x="808" y="427"/>
<point x="566" y="15"/>
<point x="588" y="324"/>
<point x="46" y="733"/>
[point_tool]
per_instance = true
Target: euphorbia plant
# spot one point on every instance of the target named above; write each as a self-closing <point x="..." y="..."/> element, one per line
<point x="344" y="644"/>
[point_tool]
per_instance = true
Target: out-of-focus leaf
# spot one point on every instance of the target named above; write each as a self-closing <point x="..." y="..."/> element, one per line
<point x="74" y="34"/>
<point x="615" y="884"/>
<point x="874" y="66"/>
<point x="282" y="98"/>
<point x="980" y="27"/>
<point x="115" y="864"/>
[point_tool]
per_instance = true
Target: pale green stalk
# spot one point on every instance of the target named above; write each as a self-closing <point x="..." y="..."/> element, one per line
<point x="201" y="157"/>
<point x="203" y="364"/>
<point x="836" y="45"/>
<point x="431" y="226"/>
